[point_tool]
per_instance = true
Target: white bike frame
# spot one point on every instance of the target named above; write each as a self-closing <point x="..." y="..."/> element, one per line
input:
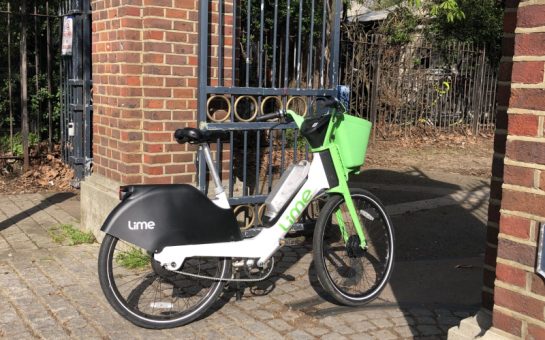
<point x="262" y="246"/>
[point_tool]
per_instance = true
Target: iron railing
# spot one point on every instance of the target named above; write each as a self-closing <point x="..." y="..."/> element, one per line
<point x="255" y="57"/>
<point x="403" y="89"/>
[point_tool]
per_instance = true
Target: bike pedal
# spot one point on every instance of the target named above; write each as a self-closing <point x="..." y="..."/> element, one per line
<point x="293" y="241"/>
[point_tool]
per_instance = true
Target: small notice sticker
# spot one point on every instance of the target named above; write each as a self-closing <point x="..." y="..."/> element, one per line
<point x="67" y="35"/>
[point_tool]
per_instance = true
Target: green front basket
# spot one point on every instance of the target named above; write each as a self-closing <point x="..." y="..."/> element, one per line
<point x="351" y="137"/>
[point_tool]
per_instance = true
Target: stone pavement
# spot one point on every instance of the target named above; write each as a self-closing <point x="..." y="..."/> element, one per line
<point x="51" y="291"/>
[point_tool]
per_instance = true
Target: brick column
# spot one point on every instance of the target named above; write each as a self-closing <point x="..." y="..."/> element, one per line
<point x="500" y="139"/>
<point x="145" y="79"/>
<point x="519" y="294"/>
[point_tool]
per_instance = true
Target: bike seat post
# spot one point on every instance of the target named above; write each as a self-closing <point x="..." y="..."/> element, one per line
<point x="212" y="168"/>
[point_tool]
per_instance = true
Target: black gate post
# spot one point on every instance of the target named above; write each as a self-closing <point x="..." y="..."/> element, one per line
<point x="203" y="82"/>
<point x="87" y="85"/>
<point x="76" y="83"/>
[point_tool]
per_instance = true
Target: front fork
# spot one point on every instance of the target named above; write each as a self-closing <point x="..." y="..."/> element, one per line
<point x="344" y="190"/>
<point x="355" y="219"/>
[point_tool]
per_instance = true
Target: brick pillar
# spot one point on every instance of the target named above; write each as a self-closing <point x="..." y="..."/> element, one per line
<point x="145" y="84"/>
<point x="519" y="294"/>
<point x="500" y="139"/>
<point x="145" y="69"/>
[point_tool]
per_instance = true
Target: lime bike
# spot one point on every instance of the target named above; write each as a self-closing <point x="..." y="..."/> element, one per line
<point x="169" y="250"/>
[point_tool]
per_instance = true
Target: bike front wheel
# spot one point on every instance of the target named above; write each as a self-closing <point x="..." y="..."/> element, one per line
<point x="146" y="294"/>
<point x="351" y="275"/>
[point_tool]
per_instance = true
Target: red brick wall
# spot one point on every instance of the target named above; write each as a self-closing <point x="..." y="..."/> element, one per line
<point x="498" y="168"/>
<point x="145" y="56"/>
<point x="519" y="294"/>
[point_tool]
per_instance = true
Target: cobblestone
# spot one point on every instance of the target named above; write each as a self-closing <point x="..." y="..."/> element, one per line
<point x="52" y="291"/>
<point x="363" y="326"/>
<point x="279" y="325"/>
<point x="385" y="334"/>
<point x="429" y="330"/>
<point x="382" y="323"/>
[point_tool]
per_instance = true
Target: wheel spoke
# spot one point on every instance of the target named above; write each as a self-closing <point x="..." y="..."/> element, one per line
<point x="154" y="296"/>
<point x="353" y="275"/>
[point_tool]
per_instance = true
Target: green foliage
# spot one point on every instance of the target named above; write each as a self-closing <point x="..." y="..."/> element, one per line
<point x="252" y="30"/>
<point x="68" y="235"/>
<point x="400" y="26"/>
<point x="4" y="104"/>
<point x="5" y="144"/>
<point x="449" y="9"/>
<point x="133" y="259"/>
<point x="291" y="136"/>
<point x="482" y="25"/>
<point x="445" y="21"/>
<point x="36" y="41"/>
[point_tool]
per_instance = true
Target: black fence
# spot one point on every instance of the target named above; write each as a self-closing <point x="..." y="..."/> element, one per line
<point x="257" y="57"/>
<point x="41" y="23"/>
<point x="419" y="87"/>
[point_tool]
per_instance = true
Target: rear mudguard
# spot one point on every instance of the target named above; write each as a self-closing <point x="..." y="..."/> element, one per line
<point x="156" y="216"/>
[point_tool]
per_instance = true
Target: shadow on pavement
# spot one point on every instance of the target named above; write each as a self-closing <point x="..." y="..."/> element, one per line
<point x="44" y="204"/>
<point x="438" y="262"/>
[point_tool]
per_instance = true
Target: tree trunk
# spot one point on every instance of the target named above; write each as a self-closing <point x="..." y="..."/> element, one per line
<point x="24" y="85"/>
<point x="9" y="83"/>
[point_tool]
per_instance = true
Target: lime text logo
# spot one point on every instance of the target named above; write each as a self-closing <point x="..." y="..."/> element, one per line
<point x="142" y="225"/>
<point x="296" y="211"/>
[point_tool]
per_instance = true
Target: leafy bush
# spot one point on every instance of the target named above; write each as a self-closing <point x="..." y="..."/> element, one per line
<point x="5" y="145"/>
<point x="446" y="21"/>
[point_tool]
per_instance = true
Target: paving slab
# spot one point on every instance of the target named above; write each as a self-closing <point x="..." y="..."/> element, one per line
<point x="51" y="291"/>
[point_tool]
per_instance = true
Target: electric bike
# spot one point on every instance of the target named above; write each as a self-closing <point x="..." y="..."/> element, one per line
<point x="169" y="250"/>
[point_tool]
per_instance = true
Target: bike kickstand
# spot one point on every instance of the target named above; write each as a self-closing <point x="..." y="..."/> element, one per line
<point x="238" y="290"/>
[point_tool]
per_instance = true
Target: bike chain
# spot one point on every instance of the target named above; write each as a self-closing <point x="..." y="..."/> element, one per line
<point x="229" y="280"/>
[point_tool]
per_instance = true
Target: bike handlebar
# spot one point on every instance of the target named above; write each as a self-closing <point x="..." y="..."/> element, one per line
<point x="266" y="117"/>
<point x="329" y="102"/>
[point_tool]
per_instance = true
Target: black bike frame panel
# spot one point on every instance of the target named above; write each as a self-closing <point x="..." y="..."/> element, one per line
<point x="329" y="168"/>
<point x="156" y="216"/>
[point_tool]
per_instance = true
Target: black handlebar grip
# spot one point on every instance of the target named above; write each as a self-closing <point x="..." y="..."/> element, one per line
<point x="329" y="102"/>
<point x="268" y="116"/>
<point x="180" y="136"/>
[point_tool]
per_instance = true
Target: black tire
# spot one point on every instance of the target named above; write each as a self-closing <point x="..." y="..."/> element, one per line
<point x="150" y="296"/>
<point x="351" y="276"/>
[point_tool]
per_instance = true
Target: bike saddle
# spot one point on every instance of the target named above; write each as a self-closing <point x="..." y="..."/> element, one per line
<point x="196" y="136"/>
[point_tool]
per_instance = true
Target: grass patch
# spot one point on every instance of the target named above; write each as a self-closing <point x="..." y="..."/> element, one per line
<point x="133" y="259"/>
<point x="66" y="234"/>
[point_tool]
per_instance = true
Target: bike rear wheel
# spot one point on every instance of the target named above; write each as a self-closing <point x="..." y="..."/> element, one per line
<point x="353" y="276"/>
<point x="146" y="294"/>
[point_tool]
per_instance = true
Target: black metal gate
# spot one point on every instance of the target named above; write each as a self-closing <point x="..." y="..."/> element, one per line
<point x="257" y="56"/>
<point x="76" y="84"/>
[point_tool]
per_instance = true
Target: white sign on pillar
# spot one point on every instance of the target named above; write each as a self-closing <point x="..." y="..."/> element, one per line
<point x="67" y="36"/>
<point x="540" y="263"/>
